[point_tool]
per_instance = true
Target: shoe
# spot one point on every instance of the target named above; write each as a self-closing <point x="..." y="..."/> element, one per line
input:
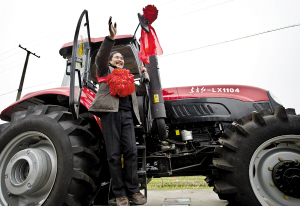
<point x="138" y="199"/>
<point x="122" y="201"/>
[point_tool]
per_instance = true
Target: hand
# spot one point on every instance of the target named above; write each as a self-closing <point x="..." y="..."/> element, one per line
<point x="145" y="75"/>
<point x="143" y="69"/>
<point x="112" y="29"/>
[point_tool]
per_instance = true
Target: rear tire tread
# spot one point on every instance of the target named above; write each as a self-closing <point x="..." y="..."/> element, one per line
<point x="84" y="177"/>
<point x="71" y="200"/>
<point x="84" y="158"/>
<point x="87" y="152"/>
<point x="227" y="181"/>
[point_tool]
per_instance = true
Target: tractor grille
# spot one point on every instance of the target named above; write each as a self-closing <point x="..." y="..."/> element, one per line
<point x="194" y="110"/>
<point x="188" y="111"/>
<point x="210" y="109"/>
<point x="198" y="110"/>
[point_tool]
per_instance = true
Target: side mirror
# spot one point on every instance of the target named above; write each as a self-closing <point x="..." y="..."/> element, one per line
<point x="144" y="23"/>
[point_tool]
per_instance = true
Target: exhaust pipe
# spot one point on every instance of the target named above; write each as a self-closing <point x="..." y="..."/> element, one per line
<point x="157" y="105"/>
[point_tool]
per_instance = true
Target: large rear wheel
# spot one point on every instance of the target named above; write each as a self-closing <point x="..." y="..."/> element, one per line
<point x="47" y="158"/>
<point x="259" y="162"/>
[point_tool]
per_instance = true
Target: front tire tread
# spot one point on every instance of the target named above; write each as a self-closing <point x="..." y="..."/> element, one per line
<point x="222" y="164"/>
<point x="223" y="187"/>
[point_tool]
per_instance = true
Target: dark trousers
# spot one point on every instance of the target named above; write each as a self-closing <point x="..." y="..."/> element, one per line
<point x="119" y="137"/>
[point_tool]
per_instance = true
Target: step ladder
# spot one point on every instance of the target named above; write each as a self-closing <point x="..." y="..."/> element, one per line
<point x="142" y="172"/>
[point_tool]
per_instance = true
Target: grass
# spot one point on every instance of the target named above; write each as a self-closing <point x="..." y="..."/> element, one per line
<point x="178" y="183"/>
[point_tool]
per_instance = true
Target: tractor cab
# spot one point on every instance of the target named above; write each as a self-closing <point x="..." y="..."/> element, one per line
<point x="80" y="55"/>
<point x="125" y="44"/>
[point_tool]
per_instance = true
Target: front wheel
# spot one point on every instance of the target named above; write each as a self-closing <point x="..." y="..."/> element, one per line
<point x="259" y="162"/>
<point x="47" y="158"/>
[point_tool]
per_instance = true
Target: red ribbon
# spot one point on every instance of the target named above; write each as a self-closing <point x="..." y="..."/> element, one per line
<point x="101" y="79"/>
<point x="149" y="41"/>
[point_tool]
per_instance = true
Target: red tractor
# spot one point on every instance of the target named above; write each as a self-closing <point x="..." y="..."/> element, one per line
<point x="52" y="151"/>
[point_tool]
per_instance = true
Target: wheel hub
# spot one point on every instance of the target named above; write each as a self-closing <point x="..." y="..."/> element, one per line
<point x="286" y="176"/>
<point x="27" y="171"/>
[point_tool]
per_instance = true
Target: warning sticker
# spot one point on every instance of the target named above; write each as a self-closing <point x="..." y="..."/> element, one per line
<point x="156" y="98"/>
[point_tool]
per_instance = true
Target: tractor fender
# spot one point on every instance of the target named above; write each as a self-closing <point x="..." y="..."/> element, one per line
<point x="54" y="96"/>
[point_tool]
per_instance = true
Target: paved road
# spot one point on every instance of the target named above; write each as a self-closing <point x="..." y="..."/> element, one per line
<point x="200" y="197"/>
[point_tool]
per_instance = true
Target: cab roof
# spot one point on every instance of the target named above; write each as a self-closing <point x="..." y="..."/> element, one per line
<point x="66" y="49"/>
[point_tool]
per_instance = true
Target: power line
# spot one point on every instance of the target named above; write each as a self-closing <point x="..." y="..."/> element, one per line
<point x="27" y="88"/>
<point x="159" y="7"/>
<point x="68" y="29"/>
<point x="19" y="64"/>
<point x="48" y="41"/>
<point x="40" y="85"/>
<point x="3" y="66"/>
<point x="200" y="9"/>
<point x="72" y="28"/>
<point x="7" y="51"/>
<point x="167" y="2"/>
<point x="198" y="2"/>
<point x="10" y="56"/>
<point x="232" y="40"/>
<point x="8" y="92"/>
<point x="10" y="68"/>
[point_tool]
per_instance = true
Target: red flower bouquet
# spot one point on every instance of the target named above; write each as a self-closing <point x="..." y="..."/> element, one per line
<point x="150" y="13"/>
<point x="120" y="82"/>
<point x="149" y="41"/>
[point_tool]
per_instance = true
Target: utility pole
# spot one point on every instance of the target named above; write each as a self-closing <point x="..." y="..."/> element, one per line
<point x="24" y="71"/>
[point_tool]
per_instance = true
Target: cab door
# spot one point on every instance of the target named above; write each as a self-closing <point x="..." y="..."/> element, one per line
<point x="80" y="62"/>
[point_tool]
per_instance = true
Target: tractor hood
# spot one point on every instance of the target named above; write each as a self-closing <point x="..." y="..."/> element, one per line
<point x="215" y="103"/>
<point x="238" y="92"/>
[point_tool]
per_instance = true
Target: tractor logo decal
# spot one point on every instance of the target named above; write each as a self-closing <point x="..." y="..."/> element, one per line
<point x="197" y="90"/>
<point x="215" y="90"/>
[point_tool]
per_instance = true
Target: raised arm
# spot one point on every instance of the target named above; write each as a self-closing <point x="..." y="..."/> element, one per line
<point x="102" y="56"/>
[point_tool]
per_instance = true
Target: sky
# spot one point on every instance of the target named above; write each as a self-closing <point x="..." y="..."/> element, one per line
<point x="205" y="42"/>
